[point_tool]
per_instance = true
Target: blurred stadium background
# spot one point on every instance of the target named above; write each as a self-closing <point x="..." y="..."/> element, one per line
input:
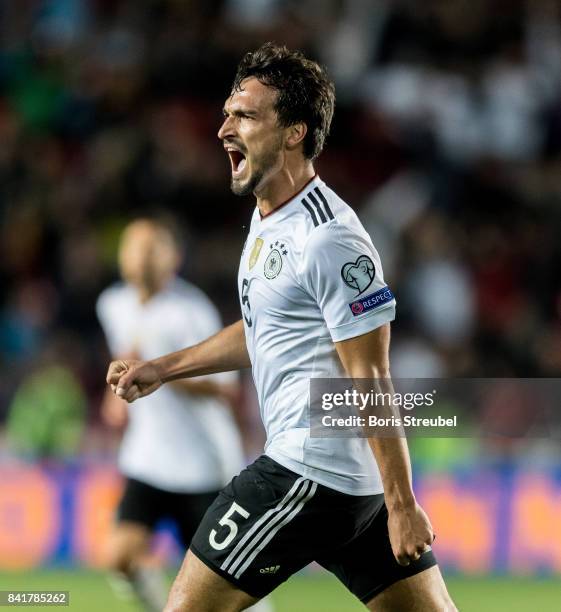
<point x="446" y="139"/>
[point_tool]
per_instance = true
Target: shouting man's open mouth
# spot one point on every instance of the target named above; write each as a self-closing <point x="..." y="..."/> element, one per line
<point x="237" y="160"/>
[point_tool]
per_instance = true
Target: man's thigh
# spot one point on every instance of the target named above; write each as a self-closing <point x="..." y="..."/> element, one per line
<point x="423" y="592"/>
<point x="269" y="522"/>
<point x="259" y="530"/>
<point x="126" y="544"/>
<point x="141" y="504"/>
<point x="366" y="565"/>
<point x="197" y="588"/>
<point x="138" y="511"/>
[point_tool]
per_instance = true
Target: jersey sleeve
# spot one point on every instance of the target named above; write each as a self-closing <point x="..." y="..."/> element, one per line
<point x="342" y="271"/>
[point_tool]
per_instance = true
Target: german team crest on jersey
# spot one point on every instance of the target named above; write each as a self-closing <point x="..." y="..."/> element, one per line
<point x="255" y="251"/>
<point x="273" y="263"/>
<point x="359" y="274"/>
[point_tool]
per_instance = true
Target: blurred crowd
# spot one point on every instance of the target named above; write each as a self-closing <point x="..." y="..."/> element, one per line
<point x="446" y="140"/>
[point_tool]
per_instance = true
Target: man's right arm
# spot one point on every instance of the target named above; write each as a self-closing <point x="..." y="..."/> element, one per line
<point x="223" y="352"/>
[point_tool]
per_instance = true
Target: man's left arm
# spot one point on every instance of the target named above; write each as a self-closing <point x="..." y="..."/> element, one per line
<point x="367" y="357"/>
<point x="202" y="322"/>
<point x="209" y="387"/>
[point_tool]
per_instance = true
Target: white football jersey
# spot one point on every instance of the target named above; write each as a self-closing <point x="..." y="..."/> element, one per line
<point x="174" y="440"/>
<point x="310" y="276"/>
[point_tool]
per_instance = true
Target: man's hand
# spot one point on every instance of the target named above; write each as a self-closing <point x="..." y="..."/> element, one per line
<point x="131" y="379"/>
<point x="410" y="533"/>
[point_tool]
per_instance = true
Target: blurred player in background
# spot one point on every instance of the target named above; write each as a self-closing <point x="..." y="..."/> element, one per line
<point x="180" y="445"/>
<point x="314" y="304"/>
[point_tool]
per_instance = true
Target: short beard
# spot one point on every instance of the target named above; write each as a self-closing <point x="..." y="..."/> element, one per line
<point x="249" y="187"/>
<point x="267" y="162"/>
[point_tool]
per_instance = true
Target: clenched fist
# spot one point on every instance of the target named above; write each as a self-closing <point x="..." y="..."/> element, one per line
<point x="131" y="379"/>
<point x="410" y="533"/>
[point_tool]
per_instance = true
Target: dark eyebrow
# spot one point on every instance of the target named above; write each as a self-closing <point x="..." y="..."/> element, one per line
<point x="240" y="112"/>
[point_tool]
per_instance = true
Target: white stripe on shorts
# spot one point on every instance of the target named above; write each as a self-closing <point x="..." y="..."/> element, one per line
<point x="274" y="529"/>
<point x="294" y="493"/>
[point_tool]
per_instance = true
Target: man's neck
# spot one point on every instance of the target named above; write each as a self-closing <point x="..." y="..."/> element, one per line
<point x="145" y="293"/>
<point x="283" y="187"/>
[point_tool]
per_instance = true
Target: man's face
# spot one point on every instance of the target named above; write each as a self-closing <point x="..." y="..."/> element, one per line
<point x="147" y="256"/>
<point x="252" y="137"/>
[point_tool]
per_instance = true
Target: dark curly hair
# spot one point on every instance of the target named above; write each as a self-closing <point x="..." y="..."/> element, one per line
<point x="305" y="93"/>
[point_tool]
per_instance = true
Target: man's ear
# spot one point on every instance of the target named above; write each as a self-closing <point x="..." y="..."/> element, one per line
<point x="295" y="135"/>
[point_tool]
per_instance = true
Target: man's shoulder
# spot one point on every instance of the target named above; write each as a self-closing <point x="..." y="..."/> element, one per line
<point x="319" y="208"/>
<point x="191" y="301"/>
<point x="184" y="290"/>
<point x="116" y="293"/>
<point x="329" y="219"/>
<point x="115" y="304"/>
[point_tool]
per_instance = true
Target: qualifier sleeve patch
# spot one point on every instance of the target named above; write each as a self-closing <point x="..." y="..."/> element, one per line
<point x="359" y="274"/>
<point x="372" y="301"/>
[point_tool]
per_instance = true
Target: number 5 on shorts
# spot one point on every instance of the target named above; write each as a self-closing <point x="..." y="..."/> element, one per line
<point x="227" y="521"/>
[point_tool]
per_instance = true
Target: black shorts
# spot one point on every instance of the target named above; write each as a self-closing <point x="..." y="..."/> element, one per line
<point x="145" y="504"/>
<point x="269" y="522"/>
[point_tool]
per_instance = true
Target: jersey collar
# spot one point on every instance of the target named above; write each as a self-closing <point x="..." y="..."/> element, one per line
<point x="311" y="183"/>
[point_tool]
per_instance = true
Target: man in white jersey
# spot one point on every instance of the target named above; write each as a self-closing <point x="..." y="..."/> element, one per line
<point x="314" y="304"/>
<point x="181" y="445"/>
